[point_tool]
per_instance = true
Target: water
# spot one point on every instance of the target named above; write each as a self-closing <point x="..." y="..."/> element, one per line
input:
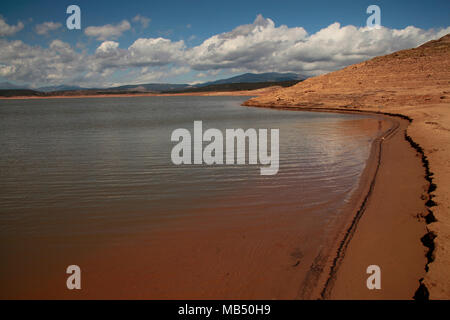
<point x="81" y="175"/>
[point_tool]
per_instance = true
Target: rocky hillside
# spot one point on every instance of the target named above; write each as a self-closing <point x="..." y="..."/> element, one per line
<point x="417" y="76"/>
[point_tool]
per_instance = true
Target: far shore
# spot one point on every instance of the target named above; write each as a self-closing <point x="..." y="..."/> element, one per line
<point x="255" y="92"/>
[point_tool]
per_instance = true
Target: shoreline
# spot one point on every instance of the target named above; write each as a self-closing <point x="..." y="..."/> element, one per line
<point x="344" y="275"/>
<point x="249" y="93"/>
<point x="386" y="230"/>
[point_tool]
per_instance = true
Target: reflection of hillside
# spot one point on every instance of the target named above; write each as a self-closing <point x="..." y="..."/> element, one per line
<point x="341" y="139"/>
<point x="366" y="126"/>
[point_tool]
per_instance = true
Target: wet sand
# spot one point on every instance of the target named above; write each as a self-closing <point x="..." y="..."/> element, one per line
<point x="388" y="231"/>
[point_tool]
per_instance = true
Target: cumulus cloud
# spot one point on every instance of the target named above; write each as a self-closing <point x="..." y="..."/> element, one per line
<point x="33" y="64"/>
<point x="46" y="27"/>
<point x="158" y="74"/>
<point x="262" y="47"/>
<point x="247" y="46"/>
<point x="338" y="46"/>
<point x="144" y="21"/>
<point x="155" y="51"/>
<point x="107" y="31"/>
<point x="146" y="58"/>
<point x="257" y="47"/>
<point x="143" y="53"/>
<point x="107" y="47"/>
<point x="9" y="30"/>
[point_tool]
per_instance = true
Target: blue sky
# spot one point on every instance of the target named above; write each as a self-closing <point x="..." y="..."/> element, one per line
<point x="194" y="22"/>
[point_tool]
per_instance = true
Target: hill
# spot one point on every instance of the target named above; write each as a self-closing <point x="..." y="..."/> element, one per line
<point x="20" y="93"/>
<point x="150" y="87"/>
<point x="240" y="82"/>
<point x="404" y="78"/>
<point x="228" y="87"/>
<point x="59" y="88"/>
<point x="256" y="78"/>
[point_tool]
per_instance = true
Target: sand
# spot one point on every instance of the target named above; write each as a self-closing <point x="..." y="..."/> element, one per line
<point x="415" y="84"/>
<point x="389" y="229"/>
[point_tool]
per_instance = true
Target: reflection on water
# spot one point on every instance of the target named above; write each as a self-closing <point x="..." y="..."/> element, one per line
<point x="78" y="174"/>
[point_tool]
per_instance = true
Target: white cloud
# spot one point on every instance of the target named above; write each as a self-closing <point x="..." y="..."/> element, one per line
<point x="159" y="74"/>
<point x="262" y="47"/>
<point x="147" y="59"/>
<point x="6" y="71"/>
<point x="46" y="27"/>
<point x="107" y="31"/>
<point x="107" y="47"/>
<point x="247" y="46"/>
<point x="143" y="53"/>
<point x="34" y="64"/>
<point x="338" y="46"/>
<point x="9" y="30"/>
<point x="143" y="20"/>
<point x="155" y="51"/>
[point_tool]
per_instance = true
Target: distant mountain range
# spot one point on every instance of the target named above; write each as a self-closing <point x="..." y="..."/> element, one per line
<point x="247" y="81"/>
<point x="256" y="77"/>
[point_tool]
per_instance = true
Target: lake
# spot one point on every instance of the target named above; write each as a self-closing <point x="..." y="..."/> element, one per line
<point x="90" y="181"/>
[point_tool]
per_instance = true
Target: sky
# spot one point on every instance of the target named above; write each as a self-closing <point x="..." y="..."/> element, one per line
<point x="132" y="42"/>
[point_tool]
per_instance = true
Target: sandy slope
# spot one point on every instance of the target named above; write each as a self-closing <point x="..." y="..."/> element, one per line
<point x="414" y="83"/>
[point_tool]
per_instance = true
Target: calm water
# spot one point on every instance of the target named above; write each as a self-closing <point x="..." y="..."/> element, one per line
<point x="78" y="174"/>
